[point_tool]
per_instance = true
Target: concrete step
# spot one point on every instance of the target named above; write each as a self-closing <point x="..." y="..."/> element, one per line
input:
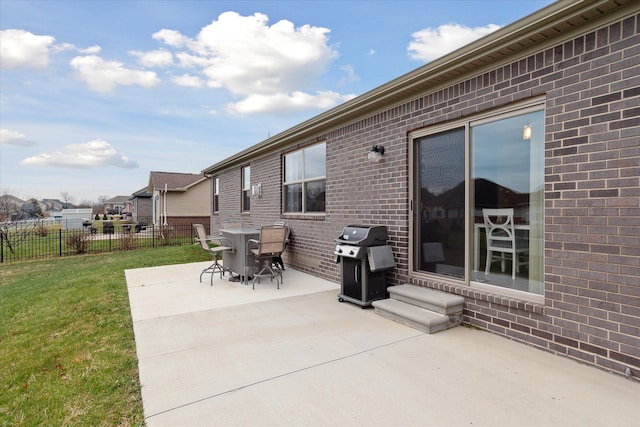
<point x="412" y="315"/>
<point x="429" y="299"/>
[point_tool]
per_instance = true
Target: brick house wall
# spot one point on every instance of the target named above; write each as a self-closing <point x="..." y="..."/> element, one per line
<point x="591" y="87"/>
<point x="229" y="200"/>
<point x="592" y="196"/>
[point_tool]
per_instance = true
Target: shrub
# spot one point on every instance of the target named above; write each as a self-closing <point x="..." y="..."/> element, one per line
<point x="167" y="232"/>
<point x="127" y="241"/>
<point x="42" y="230"/>
<point x="97" y="217"/>
<point x="78" y="240"/>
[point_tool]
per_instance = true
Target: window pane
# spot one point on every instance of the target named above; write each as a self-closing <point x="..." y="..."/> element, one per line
<point x="246" y="200"/>
<point x="216" y="192"/>
<point x="246" y="189"/>
<point x="293" y="167"/>
<point x="306" y="168"/>
<point x="315" y="196"/>
<point x="508" y="173"/>
<point x="293" y="198"/>
<point x="246" y="178"/>
<point x="441" y="201"/>
<point x="315" y="161"/>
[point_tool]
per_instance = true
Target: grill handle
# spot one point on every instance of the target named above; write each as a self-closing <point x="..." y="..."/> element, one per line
<point x="355" y="271"/>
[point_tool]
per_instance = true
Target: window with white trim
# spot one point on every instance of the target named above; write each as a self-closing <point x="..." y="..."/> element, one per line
<point x="216" y="194"/>
<point x="246" y="189"/>
<point x="305" y="180"/>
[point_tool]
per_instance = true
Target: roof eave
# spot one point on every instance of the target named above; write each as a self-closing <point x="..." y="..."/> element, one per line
<point x="547" y="23"/>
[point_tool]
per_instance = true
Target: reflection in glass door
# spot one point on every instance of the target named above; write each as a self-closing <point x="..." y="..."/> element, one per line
<point x="507" y="171"/>
<point x="440" y="216"/>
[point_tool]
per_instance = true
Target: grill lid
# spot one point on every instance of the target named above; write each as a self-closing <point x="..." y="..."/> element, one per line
<point x="362" y="235"/>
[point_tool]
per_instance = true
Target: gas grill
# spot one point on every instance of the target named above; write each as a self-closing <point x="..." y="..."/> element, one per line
<point x="364" y="258"/>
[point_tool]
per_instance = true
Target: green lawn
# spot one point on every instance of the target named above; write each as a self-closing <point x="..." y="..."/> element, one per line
<point x="67" y="350"/>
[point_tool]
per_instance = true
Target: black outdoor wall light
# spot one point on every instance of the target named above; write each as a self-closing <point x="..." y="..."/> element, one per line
<point x="375" y="155"/>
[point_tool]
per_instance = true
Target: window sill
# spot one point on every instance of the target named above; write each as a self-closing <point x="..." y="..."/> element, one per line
<point x="513" y="299"/>
<point x="305" y="216"/>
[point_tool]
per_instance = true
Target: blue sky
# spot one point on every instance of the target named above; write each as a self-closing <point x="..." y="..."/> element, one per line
<point x="96" y="94"/>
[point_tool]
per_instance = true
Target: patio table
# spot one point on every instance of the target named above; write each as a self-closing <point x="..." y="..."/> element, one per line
<point x="238" y="260"/>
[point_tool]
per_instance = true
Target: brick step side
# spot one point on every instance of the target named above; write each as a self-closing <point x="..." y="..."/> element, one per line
<point x="429" y="299"/>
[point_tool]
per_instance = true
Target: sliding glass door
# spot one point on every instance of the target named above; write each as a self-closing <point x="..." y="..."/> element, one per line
<point x="441" y="203"/>
<point x="479" y="201"/>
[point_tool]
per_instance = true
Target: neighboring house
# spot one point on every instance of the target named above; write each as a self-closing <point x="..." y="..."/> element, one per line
<point x="117" y="205"/>
<point x="10" y="207"/>
<point x="55" y="205"/>
<point x="541" y="116"/>
<point x="142" y="206"/>
<point x="179" y="198"/>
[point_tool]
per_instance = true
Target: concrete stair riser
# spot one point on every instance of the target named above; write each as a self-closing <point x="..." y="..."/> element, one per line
<point x="429" y="299"/>
<point x="424" y="309"/>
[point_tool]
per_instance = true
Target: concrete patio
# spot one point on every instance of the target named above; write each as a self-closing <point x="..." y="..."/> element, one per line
<point x="227" y="355"/>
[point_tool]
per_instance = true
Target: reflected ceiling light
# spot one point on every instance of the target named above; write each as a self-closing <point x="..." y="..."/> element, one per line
<point x="526" y="132"/>
<point x="375" y="155"/>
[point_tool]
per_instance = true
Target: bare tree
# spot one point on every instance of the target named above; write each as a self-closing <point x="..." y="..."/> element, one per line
<point x="100" y="208"/>
<point x="85" y="203"/>
<point x="36" y="208"/>
<point x="13" y="234"/>
<point x="67" y="198"/>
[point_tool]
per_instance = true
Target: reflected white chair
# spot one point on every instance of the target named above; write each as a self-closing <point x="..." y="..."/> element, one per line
<point x="502" y="240"/>
<point x="215" y="251"/>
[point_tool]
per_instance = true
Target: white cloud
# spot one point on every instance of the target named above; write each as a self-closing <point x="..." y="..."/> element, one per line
<point x="19" y="48"/>
<point x="10" y="137"/>
<point x="62" y="47"/>
<point x="350" y="75"/>
<point x="432" y="43"/>
<point x="91" y="50"/>
<point x="187" y="60"/>
<point x="92" y="154"/>
<point x="283" y="103"/>
<point x="104" y="76"/>
<point x="267" y="65"/>
<point x="263" y="66"/>
<point x="171" y="37"/>
<point x="250" y="57"/>
<point x="187" y="80"/>
<point x="154" y="58"/>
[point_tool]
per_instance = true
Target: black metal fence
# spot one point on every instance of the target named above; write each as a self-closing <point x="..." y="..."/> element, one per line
<point x="39" y="240"/>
